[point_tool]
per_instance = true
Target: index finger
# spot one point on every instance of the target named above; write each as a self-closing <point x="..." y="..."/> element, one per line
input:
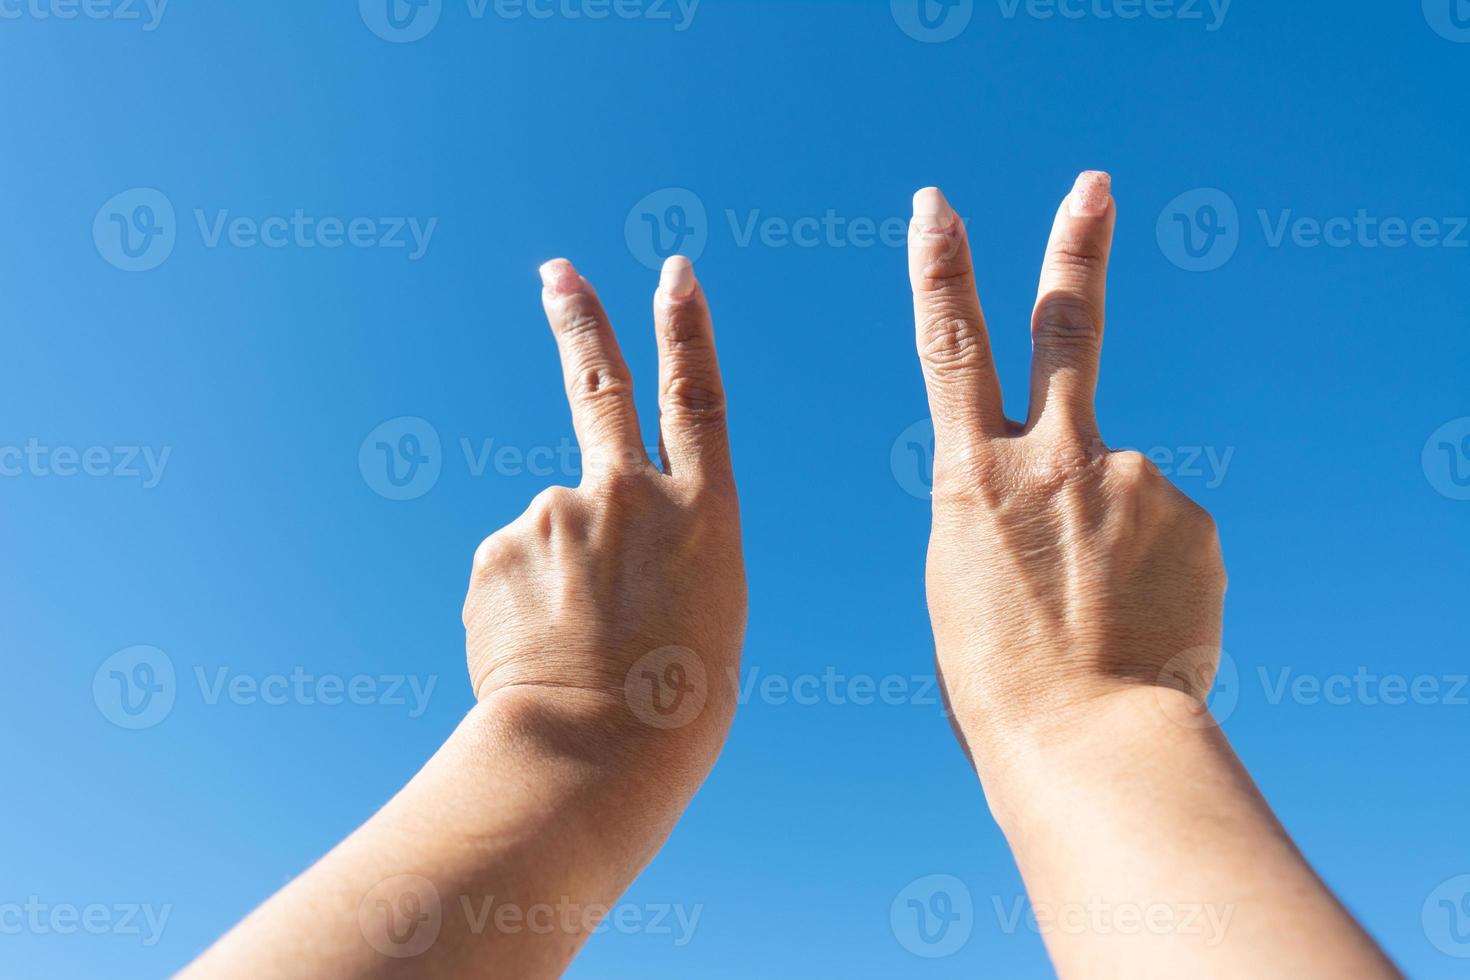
<point x="954" y="345"/>
<point x="599" y="386"/>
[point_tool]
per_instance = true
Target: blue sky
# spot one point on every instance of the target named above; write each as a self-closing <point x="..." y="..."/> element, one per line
<point x="332" y="227"/>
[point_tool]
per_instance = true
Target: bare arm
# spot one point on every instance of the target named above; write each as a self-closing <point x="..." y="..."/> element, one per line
<point x="596" y="626"/>
<point x="1076" y="598"/>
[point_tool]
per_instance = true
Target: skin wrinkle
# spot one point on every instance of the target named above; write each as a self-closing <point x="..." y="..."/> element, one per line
<point x="1063" y="582"/>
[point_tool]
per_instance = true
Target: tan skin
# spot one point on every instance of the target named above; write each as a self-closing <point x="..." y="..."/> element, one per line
<point x="595" y="626"/>
<point x="1076" y="598"/>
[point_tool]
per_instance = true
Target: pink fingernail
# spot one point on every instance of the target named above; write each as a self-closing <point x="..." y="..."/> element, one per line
<point x="1090" y="195"/>
<point x="560" y="276"/>
<point x="932" y="213"/>
<point x="676" y="281"/>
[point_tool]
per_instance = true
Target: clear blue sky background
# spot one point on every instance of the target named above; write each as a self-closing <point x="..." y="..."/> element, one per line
<point x="264" y="547"/>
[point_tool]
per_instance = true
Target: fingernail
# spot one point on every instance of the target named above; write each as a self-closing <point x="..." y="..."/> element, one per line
<point x="676" y="281"/>
<point x="1090" y="195"/>
<point x="932" y="213"/>
<point x="560" y="276"/>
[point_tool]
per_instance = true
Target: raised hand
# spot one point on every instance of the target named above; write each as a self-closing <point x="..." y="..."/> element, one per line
<point x="1076" y="599"/>
<point x="601" y="628"/>
<point x="619" y="607"/>
<point x="1058" y="571"/>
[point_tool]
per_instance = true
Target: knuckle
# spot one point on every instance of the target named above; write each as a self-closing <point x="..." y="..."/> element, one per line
<point x="620" y="485"/>
<point x="1134" y="467"/>
<point x="694" y="397"/>
<point x="712" y="496"/>
<point x="683" y="329"/>
<point x="948" y="274"/>
<point x="968" y="478"/>
<point x="1202" y="526"/>
<point x="579" y="320"/>
<point x="1080" y="256"/>
<point x="1060" y="463"/>
<point x="487" y="551"/>
<point x="493" y="553"/>
<point x="1066" y="320"/>
<point x="552" y="507"/>
<point x="598" y="384"/>
<point x="950" y="342"/>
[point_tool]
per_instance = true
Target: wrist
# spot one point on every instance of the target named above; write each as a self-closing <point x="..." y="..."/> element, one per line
<point x="1107" y="727"/>
<point x="599" y="751"/>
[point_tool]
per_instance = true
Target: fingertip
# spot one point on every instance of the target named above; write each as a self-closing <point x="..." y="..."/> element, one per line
<point x="1091" y="195"/>
<point x="559" y="276"/>
<point x="932" y="211"/>
<point x="676" y="280"/>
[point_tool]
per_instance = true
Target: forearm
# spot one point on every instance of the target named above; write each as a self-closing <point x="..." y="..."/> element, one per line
<point x="497" y="859"/>
<point x="1148" y="851"/>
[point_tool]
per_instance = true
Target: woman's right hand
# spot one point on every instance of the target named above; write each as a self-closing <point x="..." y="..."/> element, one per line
<point x="1076" y="597"/>
<point x="1058" y="571"/>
